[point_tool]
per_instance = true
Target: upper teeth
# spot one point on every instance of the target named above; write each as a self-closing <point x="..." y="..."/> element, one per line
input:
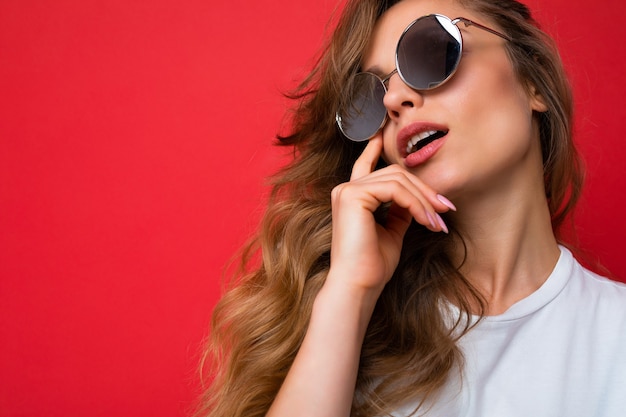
<point x="415" y="139"/>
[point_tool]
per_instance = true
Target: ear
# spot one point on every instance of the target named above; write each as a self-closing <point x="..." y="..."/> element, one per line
<point x="536" y="100"/>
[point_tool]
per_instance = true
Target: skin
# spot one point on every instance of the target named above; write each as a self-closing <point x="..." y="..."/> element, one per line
<point x="489" y="166"/>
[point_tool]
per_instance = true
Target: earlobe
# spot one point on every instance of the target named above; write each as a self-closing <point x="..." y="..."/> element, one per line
<point x="537" y="102"/>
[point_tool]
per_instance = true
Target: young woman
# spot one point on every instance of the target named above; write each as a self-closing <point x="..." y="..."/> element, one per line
<point x="409" y="259"/>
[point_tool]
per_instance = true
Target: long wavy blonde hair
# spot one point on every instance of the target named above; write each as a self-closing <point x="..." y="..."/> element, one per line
<point x="409" y="349"/>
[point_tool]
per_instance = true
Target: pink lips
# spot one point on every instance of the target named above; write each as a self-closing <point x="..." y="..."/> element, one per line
<point x="424" y="154"/>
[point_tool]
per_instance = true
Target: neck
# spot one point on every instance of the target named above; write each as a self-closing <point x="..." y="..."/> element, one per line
<point x="508" y="243"/>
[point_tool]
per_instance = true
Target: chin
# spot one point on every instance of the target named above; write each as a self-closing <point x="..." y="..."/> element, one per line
<point x="443" y="181"/>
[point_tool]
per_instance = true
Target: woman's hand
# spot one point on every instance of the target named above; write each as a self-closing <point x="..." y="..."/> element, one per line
<point x="364" y="254"/>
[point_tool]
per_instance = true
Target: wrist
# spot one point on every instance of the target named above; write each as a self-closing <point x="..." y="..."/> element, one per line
<point x="346" y="301"/>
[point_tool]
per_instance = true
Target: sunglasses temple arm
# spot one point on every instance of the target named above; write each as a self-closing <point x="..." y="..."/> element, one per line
<point x="468" y="22"/>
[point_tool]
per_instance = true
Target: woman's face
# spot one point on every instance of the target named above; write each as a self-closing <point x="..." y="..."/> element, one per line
<point x="491" y="139"/>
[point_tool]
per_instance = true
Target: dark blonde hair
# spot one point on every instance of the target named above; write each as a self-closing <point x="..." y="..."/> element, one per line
<point x="410" y="346"/>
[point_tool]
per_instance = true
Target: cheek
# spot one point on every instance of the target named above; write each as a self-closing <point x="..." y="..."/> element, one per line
<point x="390" y="152"/>
<point x="495" y="101"/>
<point x="496" y="118"/>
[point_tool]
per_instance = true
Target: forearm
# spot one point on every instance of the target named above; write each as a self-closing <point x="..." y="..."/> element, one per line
<point x="322" y="379"/>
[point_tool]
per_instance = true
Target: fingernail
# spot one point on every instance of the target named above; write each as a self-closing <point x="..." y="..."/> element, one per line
<point x="444" y="228"/>
<point x="431" y="220"/>
<point x="446" y="202"/>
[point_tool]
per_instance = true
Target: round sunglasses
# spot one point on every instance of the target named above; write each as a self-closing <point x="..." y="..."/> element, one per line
<point x="427" y="55"/>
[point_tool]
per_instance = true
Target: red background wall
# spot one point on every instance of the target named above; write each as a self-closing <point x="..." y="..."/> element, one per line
<point x="134" y="136"/>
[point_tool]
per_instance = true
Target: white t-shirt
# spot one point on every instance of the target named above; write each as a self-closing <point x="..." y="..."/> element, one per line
<point x="559" y="352"/>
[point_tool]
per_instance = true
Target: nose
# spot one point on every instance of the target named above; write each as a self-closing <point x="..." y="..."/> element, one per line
<point x="400" y="98"/>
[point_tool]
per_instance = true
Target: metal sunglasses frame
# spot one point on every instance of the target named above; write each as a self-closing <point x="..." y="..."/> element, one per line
<point x="454" y="22"/>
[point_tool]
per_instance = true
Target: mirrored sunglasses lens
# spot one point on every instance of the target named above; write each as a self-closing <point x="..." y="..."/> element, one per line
<point x="428" y="52"/>
<point x="365" y="112"/>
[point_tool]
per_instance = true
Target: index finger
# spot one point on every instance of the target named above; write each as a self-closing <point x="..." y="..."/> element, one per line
<point x="366" y="163"/>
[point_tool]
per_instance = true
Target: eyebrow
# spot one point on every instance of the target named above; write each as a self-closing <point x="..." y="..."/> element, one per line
<point x="384" y="76"/>
<point x="374" y="69"/>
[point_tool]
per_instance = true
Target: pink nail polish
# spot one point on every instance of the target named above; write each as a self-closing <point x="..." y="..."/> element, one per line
<point x="444" y="228"/>
<point x="446" y="202"/>
<point x="431" y="220"/>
